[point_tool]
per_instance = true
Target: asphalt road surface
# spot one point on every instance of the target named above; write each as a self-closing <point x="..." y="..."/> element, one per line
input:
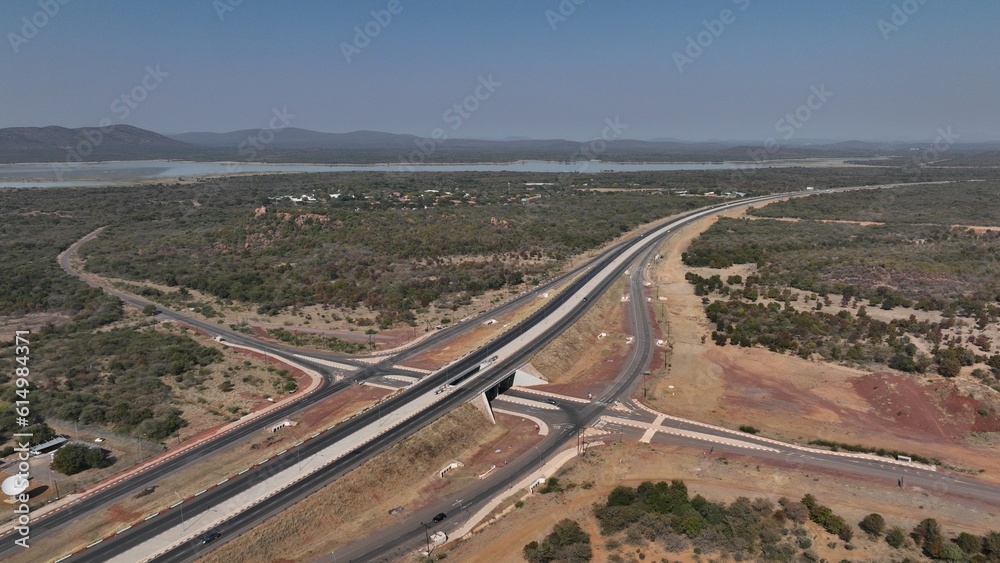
<point x="576" y="417"/>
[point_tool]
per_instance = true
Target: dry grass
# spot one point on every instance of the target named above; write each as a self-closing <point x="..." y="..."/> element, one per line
<point x="358" y="503"/>
<point x="221" y="464"/>
<point x="630" y="464"/>
<point x="574" y="354"/>
<point x="479" y="335"/>
<point x="785" y="396"/>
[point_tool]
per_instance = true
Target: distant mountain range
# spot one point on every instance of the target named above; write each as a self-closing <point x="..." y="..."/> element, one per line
<point x="58" y="144"/>
<point x="124" y="142"/>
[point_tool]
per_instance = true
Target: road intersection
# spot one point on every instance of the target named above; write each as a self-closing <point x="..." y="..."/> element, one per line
<point x="283" y="480"/>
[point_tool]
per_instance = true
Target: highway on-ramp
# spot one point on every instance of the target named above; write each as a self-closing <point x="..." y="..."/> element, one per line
<point x="589" y="284"/>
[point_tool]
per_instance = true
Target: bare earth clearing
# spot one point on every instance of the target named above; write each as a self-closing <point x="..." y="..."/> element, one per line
<point x="580" y="360"/>
<point x="788" y="397"/>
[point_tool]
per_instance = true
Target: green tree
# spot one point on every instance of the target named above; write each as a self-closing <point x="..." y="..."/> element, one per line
<point x="74" y="458"/>
<point x="969" y="543"/>
<point x="567" y="542"/>
<point x="873" y="524"/>
<point x="991" y="545"/>
<point x="896" y="537"/>
<point x="927" y="528"/>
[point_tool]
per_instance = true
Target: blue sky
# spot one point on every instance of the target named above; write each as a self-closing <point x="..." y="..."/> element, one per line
<point x="559" y="68"/>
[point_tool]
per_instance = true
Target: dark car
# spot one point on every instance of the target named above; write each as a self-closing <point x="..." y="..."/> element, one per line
<point x="441" y="516"/>
<point x="551" y="401"/>
<point x="210" y="537"/>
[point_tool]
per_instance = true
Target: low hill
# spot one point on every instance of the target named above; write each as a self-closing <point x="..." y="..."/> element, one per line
<point x="57" y="144"/>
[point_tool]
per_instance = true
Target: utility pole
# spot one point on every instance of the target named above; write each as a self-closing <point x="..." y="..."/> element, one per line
<point x="427" y="536"/>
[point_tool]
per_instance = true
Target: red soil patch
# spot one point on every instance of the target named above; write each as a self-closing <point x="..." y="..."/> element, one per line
<point x="938" y="409"/>
<point x="520" y="438"/>
<point x="909" y="408"/>
<point x="748" y="390"/>
<point x="342" y="403"/>
<point x="599" y="378"/>
<point x="121" y="515"/>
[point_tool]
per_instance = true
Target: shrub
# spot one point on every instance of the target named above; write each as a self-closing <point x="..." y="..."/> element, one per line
<point x="896" y="537"/>
<point x="969" y="543"/>
<point x="567" y="542"/>
<point x="74" y="458"/>
<point x="873" y="524"/>
<point x="991" y="544"/>
<point x="795" y="511"/>
<point x="552" y="485"/>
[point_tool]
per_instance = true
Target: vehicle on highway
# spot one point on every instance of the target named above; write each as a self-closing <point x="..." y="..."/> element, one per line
<point x="210" y="537"/>
<point x="551" y="401"/>
<point x="440" y="517"/>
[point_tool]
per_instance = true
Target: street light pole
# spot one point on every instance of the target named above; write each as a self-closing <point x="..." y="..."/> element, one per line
<point x="181" y="505"/>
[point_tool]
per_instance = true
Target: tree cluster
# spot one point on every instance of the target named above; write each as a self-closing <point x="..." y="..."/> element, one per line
<point x="74" y="457"/>
<point x="567" y="542"/>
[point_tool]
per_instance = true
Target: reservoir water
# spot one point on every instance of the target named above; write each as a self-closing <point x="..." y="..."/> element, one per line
<point x="53" y="175"/>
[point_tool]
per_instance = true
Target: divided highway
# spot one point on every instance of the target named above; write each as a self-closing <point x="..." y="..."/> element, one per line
<point x="515" y="347"/>
<point x="566" y="307"/>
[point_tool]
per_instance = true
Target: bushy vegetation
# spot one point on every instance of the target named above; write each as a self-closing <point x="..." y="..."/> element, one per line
<point x="74" y="458"/>
<point x="392" y="248"/>
<point x="837" y="446"/>
<point x="567" y="542"/>
<point x="825" y="517"/>
<point x="845" y="337"/>
<point x="756" y="529"/>
<point x="943" y="204"/>
<point x="666" y="513"/>
<point x="915" y="259"/>
<point x="303" y="339"/>
<point x="929" y="267"/>
<point x="120" y="379"/>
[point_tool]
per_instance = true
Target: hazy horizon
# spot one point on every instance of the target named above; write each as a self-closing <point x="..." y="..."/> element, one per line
<point x="726" y="70"/>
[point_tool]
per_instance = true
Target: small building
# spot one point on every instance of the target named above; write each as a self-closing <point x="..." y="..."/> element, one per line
<point x="51" y="445"/>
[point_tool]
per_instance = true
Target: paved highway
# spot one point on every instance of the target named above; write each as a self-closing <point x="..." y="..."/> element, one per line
<point x="609" y="265"/>
<point x="202" y="453"/>
<point x="288" y="497"/>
